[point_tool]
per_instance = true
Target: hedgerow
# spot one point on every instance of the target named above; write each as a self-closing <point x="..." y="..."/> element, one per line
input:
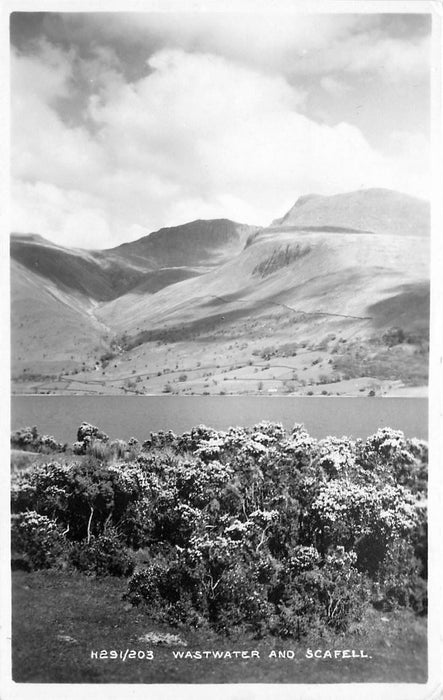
<point x="246" y="529"/>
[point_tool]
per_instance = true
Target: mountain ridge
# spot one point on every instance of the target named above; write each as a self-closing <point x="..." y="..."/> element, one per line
<point x="378" y="210"/>
<point x="352" y="266"/>
<point x="106" y="274"/>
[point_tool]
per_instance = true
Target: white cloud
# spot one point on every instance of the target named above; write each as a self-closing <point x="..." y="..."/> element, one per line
<point x="288" y="42"/>
<point x="334" y="86"/>
<point x="198" y="137"/>
<point x="392" y="58"/>
<point x="68" y="217"/>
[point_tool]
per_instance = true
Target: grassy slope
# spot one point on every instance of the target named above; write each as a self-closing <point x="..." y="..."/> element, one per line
<point x="91" y="612"/>
<point x="336" y="274"/>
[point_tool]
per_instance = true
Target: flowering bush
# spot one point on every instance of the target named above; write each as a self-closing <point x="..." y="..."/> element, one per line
<point x="104" y="554"/>
<point x="160" y="440"/>
<point x="37" y="541"/>
<point x="336" y="456"/>
<point x="248" y="528"/>
<point x="30" y="440"/>
<point x="82" y="497"/>
<point x="390" y="455"/>
<point x="86" y="432"/>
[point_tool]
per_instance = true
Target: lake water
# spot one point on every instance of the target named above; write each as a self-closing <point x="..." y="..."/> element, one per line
<point x="127" y="416"/>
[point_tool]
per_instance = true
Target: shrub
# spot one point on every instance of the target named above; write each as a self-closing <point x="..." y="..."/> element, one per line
<point x="28" y="439"/>
<point x="252" y="529"/>
<point x="87" y="431"/>
<point x="227" y="585"/>
<point x="104" y="554"/>
<point x="393" y="336"/>
<point x="98" y="449"/>
<point x="88" y="436"/>
<point x="37" y="542"/>
<point x="161" y="440"/>
<point x="329" y="595"/>
<point x="399" y="582"/>
<point x="82" y="496"/>
<point x="119" y="448"/>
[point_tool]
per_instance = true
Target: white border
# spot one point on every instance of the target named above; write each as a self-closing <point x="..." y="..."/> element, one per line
<point x="434" y="687"/>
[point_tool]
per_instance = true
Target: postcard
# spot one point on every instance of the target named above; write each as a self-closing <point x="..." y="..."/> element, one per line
<point x="221" y="254"/>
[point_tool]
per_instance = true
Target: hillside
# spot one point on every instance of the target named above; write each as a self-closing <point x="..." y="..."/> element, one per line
<point x="338" y="274"/>
<point x="338" y="287"/>
<point x="75" y="271"/>
<point x="375" y="210"/>
<point x="154" y="261"/>
<point x="51" y="330"/>
<point x="195" y="243"/>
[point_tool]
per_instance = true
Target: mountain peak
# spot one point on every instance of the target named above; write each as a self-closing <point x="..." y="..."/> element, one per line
<point x="199" y="242"/>
<point x="29" y="238"/>
<point x="377" y="210"/>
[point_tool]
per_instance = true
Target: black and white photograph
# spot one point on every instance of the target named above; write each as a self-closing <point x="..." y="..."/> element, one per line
<point x="224" y="375"/>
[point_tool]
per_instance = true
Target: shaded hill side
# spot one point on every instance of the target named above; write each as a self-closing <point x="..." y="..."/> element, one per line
<point x="149" y="264"/>
<point x="407" y="308"/>
<point x="48" y="324"/>
<point x="195" y="243"/>
<point x="156" y="280"/>
<point x="76" y="271"/>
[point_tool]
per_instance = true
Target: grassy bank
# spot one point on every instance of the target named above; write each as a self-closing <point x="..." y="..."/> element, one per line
<point x="59" y="618"/>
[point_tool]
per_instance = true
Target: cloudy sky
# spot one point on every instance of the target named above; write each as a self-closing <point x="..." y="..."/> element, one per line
<point x="123" y="123"/>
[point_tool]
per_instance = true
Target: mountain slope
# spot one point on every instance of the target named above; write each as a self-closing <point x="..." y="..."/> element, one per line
<point x="331" y="274"/>
<point x="216" y="294"/>
<point x="50" y="329"/>
<point x="375" y="210"/>
<point x="76" y="271"/>
<point x="195" y="243"/>
<point x="148" y="264"/>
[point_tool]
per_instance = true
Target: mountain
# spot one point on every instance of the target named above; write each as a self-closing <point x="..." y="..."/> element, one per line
<point x="76" y="271"/>
<point x="51" y="329"/>
<point x="309" y="271"/>
<point x="161" y="258"/>
<point x="195" y="243"/>
<point x="374" y="210"/>
<point x="342" y="280"/>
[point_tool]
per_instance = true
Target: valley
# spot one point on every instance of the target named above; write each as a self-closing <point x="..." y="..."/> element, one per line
<point x="332" y="299"/>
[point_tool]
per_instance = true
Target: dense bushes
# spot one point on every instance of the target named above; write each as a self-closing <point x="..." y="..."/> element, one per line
<point x="102" y="554"/>
<point x="37" y="542"/>
<point x="83" y="497"/>
<point x="85" y="500"/>
<point x="250" y="528"/>
<point x="28" y="439"/>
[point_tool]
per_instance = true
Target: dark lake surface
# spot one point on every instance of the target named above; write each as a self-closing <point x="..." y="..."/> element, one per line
<point x="127" y="416"/>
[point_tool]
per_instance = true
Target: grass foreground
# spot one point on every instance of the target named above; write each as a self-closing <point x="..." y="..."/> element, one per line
<point x="59" y="618"/>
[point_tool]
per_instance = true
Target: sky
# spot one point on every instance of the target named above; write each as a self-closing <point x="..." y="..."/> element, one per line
<point x="122" y="123"/>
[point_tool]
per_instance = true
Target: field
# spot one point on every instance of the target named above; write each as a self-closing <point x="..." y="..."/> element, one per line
<point x="242" y="356"/>
<point x="52" y="642"/>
